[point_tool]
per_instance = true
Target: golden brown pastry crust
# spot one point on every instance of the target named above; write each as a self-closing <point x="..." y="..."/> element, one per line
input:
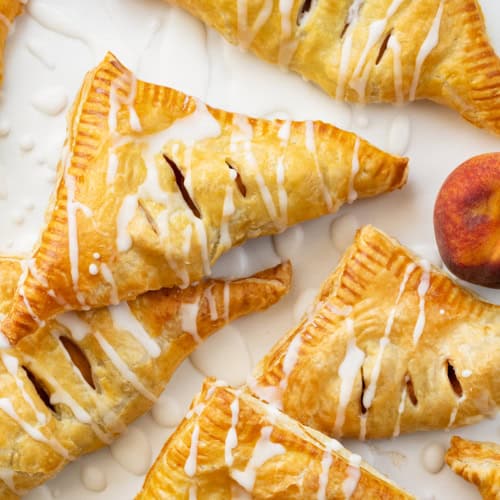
<point x="266" y="456"/>
<point x="372" y="50"/>
<point x="392" y="346"/>
<point x="127" y="353"/>
<point x="478" y="463"/>
<point x="9" y="10"/>
<point x="120" y="193"/>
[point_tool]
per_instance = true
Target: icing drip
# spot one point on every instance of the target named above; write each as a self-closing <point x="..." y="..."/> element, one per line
<point x="353" y="195"/>
<point x="7" y="476"/>
<point x="394" y="45"/>
<point x="384" y="341"/>
<point x="232" y="437"/>
<point x="311" y="146"/>
<point x="12" y="365"/>
<point x="284" y="135"/>
<point x="108" y="277"/>
<point x="264" y="450"/>
<point x="345" y="55"/>
<point x="124" y="319"/>
<point x="353" y="474"/>
<point x="72" y="208"/>
<point x="423" y="287"/>
<point x="401" y="409"/>
<point x="22" y="280"/>
<point x="190" y="465"/>
<point x="246" y="33"/>
<point x="375" y="31"/>
<point x="212" y="305"/>
<point x="122" y="368"/>
<point x="454" y="412"/>
<point x="189" y="319"/>
<point x="125" y="216"/>
<point x="228" y="210"/>
<point x="289" y="362"/>
<point x="78" y="328"/>
<point x="287" y="45"/>
<point x="430" y="42"/>
<point x="326" y="464"/>
<point x="243" y="134"/>
<point x="348" y="371"/>
<point x="7" y="407"/>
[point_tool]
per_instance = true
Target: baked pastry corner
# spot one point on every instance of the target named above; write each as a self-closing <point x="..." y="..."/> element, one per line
<point x="478" y="463"/>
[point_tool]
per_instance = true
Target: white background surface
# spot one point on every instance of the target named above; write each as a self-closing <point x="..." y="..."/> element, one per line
<point x="166" y="46"/>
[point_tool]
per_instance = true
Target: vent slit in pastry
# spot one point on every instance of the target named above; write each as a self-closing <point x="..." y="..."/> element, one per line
<point x="363" y="389"/>
<point x="40" y="389"/>
<point x="383" y="48"/>
<point x="454" y="382"/>
<point x="181" y="184"/>
<point x="410" y="390"/>
<point x="305" y="10"/>
<point x="79" y="359"/>
<point x="237" y="178"/>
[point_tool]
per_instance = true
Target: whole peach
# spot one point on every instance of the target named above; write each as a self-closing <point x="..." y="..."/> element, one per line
<point x="467" y="220"/>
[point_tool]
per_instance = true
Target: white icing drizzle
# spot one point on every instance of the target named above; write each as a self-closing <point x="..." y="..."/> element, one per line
<point x="348" y="371"/>
<point x="212" y="305"/>
<point x="423" y="287"/>
<point x="36" y="51"/>
<point x="125" y="216"/>
<point x="243" y="134"/>
<point x="191" y="462"/>
<point x="7" y="476"/>
<point x="326" y="464"/>
<point x="124" y="319"/>
<point x="454" y="412"/>
<point x="384" y="341"/>
<point x="108" y="277"/>
<point x="78" y="328"/>
<point x="12" y="365"/>
<point x="193" y="492"/>
<point x="311" y="146"/>
<point x="287" y="45"/>
<point x="22" y="280"/>
<point x="394" y="45"/>
<point x="189" y="319"/>
<point x="401" y="409"/>
<point x="353" y="474"/>
<point x="430" y="42"/>
<point x="375" y="31"/>
<point x="7" y="407"/>
<point x="246" y="33"/>
<point x="72" y="207"/>
<point x="289" y="363"/>
<point x="232" y="437"/>
<point x="264" y="450"/>
<point x="345" y="55"/>
<point x="228" y="210"/>
<point x="122" y="368"/>
<point x="227" y="300"/>
<point x="353" y="195"/>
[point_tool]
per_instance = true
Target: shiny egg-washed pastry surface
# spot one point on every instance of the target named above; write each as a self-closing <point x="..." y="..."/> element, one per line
<point x="232" y="445"/>
<point x="477" y="462"/>
<point x="391" y="346"/>
<point x="75" y="384"/>
<point x="160" y="185"/>
<point x="372" y="50"/>
<point x="9" y="10"/>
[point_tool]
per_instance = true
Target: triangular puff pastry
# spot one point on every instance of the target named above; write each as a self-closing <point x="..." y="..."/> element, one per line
<point x="372" y="50"/>
<point x="154" y="186"/>
<point x="232" y="445"/>
<point x="392" y="346"/>
<point x="75" y="384"/>
<point x="478" y="463"/>
<point x="9" y="10"/>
